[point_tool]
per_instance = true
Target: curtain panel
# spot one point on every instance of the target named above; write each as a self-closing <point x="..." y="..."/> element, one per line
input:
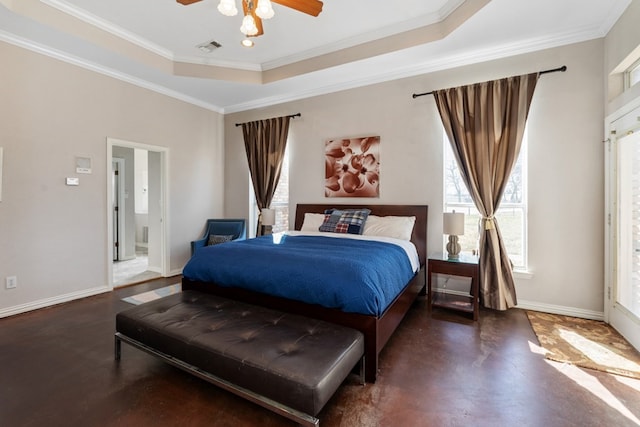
<point x="265" y="142"/>
<point x="485" y="124"/>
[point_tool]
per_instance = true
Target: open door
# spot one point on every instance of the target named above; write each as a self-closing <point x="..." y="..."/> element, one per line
<point x="623" y="297"/>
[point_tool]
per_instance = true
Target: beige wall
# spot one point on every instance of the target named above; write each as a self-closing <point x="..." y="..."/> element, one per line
<point x="565" y="161"/>
<point x="54" y="237"/>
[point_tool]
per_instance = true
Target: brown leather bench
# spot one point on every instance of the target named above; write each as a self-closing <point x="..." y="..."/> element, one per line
<point x="289" y="364"/>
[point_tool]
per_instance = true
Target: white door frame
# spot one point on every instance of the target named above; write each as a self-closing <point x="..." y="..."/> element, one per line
<point x="164" y="212"/>
<point x="617" y="125"/>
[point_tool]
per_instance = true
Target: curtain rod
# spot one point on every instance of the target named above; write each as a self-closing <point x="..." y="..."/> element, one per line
<point x="553" y="70"/>
<point x="290" y="115"/>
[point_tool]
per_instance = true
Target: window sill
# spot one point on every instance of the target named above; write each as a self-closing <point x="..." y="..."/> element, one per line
<point x="522" y="274"/>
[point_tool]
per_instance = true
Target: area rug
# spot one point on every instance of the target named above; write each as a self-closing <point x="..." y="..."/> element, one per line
<point x="154" y="294"/>
<point x="585" y="343"/>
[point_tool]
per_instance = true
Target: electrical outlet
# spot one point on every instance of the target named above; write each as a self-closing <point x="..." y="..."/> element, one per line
<point x="12" y="282"/>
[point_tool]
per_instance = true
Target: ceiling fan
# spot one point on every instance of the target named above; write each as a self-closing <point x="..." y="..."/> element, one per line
<point x="257" y="10"/>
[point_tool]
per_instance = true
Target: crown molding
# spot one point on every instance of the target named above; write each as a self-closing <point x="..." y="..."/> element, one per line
<point x="417" y="22"/>
<point x="443" y="63"/>
<point x="135" y="39"/>
<point x="291" y="63"/>
<point x="245" y="66"/>
<point x="71" y="59"/>
<point x="613" y="17"/>
<point x="436" y="64"/>
<point x="108" y="27"/>
<point x="377" y="34"/>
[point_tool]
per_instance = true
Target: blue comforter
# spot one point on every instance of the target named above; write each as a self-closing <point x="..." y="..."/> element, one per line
<point x="351" y="275"/>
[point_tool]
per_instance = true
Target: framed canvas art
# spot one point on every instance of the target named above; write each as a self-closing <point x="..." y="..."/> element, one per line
<point x="352" y="167"/>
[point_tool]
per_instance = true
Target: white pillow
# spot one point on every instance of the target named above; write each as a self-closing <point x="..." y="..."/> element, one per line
<point x="312" y="221"/>
<point x="398" y="227"/>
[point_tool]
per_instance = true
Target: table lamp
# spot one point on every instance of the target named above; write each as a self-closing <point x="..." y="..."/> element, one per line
<point x="268" y="220"/>
<point x="453" y="225"/>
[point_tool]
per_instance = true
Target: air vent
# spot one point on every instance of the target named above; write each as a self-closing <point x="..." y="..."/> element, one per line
<point x="209" y="47"/>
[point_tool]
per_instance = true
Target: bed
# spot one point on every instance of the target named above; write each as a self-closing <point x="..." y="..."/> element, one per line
<point x="377" y="327"/>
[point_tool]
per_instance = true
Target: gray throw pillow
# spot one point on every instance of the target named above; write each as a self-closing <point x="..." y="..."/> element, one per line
<point x="215" y="239"/>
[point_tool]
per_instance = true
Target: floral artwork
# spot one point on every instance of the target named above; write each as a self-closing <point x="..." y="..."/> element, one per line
<point x="352" y="167"/>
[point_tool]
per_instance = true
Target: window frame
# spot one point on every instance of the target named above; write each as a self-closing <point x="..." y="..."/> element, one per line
<point x="280" y="205"/>
<point x="468" y="207"/>
<point x="282" y="224"/>
<point x="632" y="75"/>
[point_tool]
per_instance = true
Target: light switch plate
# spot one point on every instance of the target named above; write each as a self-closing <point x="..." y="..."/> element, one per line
<point x="73" y="181"/>
<point x="83" y="165"/>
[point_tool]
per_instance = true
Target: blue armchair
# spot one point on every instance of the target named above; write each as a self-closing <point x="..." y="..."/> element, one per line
<point x="221" y="230"/>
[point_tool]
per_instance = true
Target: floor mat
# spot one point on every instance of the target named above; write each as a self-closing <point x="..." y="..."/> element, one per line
<point x="585" y="343"/>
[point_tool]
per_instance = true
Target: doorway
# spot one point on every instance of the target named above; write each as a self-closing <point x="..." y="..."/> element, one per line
<point x="136" y="216"/>
<point x="622" y="294"/>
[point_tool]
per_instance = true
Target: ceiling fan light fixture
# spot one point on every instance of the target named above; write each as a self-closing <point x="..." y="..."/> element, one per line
<point x="247" y="43"/>
<point x="228" y="7"/>
<point x="264" y="9"/>
<point x="249" y="27"/>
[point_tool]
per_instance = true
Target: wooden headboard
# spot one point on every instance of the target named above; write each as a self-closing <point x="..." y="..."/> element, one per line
<point x="418" y="237"/>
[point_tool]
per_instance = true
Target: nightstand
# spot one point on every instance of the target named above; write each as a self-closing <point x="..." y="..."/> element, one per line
<point x="465" y="266"/>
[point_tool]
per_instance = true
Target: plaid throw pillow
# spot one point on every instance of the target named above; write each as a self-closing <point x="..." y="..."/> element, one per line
<point x="344" y="220"/>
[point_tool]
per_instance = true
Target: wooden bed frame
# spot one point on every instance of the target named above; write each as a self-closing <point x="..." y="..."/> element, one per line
<point x="376" y="329"/>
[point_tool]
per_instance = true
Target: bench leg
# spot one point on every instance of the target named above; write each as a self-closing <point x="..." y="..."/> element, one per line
<point x="362" y="371"/>
<point x="117" y="347"/>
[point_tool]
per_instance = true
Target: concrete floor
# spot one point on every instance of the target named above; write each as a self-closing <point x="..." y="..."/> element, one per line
<point x="57" y="369"/>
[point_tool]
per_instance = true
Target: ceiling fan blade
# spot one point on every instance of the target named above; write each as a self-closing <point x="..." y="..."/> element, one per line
<point x="187" y="2"/>
<point x="256" y="18"/>
<point x="310" y="7"/>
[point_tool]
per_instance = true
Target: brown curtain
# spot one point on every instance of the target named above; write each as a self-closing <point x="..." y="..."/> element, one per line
<point x="265" y="142"/>
<point x="485" y="124"/>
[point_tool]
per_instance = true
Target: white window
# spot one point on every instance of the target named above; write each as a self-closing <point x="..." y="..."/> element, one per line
<point x="280" y="201"/>
<point x="511" y="216"/>
<point x="632" y="75"/>
<point x="628" y="221"/>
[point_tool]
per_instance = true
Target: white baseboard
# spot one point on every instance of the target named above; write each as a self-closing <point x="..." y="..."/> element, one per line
<point x="177" y="272"/>
<point x="159" y="271"/>
<point x="561" y="309"/>
<point x="47" y="302"/>
<point x="546" y="308"/>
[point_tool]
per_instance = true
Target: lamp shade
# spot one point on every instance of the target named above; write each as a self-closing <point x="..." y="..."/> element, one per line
<point x="453" y="223"/>
<point x="228" y="7"/>
<point x="264" y="9"/>
<point x="268" y="216"/>
<point x="249" y="27"/>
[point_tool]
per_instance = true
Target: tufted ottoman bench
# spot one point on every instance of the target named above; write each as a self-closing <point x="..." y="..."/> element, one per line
<point x="289" y="364"/>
